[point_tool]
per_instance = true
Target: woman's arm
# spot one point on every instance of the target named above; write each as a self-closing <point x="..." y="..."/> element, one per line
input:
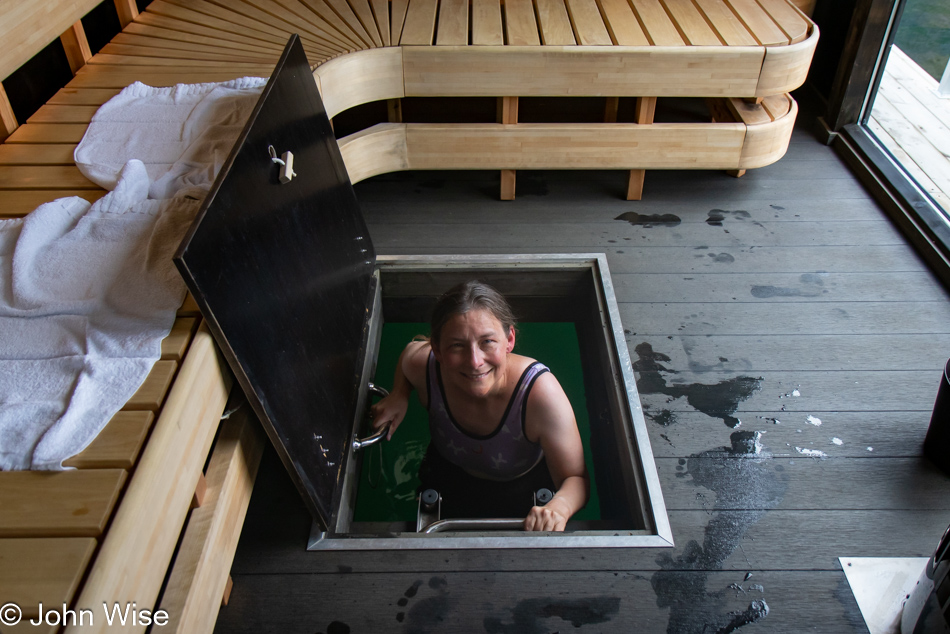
<point x="550" y="421"/>
<point x="410" y="375"/>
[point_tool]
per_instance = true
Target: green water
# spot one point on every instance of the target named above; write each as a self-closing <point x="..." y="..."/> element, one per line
<point x="388" y="481"/>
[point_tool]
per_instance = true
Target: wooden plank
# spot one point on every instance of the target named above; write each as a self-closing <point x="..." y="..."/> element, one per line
<point x="8" y="122"/>
<point x="15" y="203"/>
<point x="622" y="23"/>
<point x="200" y="574"/>
<point x="175" y="344"/>
<point x="140" y="55"/>
<point x="789" y="19"/>
<point x="189" y="306"/>
<point x="365" y="14"/>
<point x="381" y="13"/>
<point x="23" y="154"/>
<point x="152" y="392"/>
<point x="691" y="24"/>
<point x="682" y="591"/>
<point x="82" y="97"/>
<point x="214" y="16"/>
<point x="135" y="554"/>
<point x="726" y="23"/>
<point x="350" y="19"/>
<point x="453" y="23"/>
<point x="588" y="23"/>
<point x="363" y="77"/>
<point x="763" y="28"/>
<point x="95" y="76"/>
<point x="377" y="150"/>
<point x="574" y="146"/>
<point x="588" y="71"/>
<point x="777" y="106"/>
<point x="178" y="19"/>
<point x="521" y="27"/>
<point x="48" y="176"/>
<point x="75" y="46"/>
<point x="420" y="23"/>
<point x="117" y="446"/>
<point x="156" y="41"/>
<point x="486" y="23"/>
<point x="289" y="21"/>
<point x="659" y="29"/>
<point x="63" y="114"/>
<point x="48" y="571"/>
<point x="58" y="504"/>
<point x="398" y="18"/>
<point x="554" y="22"/>
<point x="858" y="484"/>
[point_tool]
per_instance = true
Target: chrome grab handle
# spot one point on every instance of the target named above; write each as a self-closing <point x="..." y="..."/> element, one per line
<point x="363" y="443"/>
<point x="494" y="523"/>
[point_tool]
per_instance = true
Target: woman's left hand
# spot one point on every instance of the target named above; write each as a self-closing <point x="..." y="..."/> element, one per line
<point x="551" y="517"/>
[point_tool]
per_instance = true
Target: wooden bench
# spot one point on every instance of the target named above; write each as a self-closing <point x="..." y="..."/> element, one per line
<point x="107" y="532"/>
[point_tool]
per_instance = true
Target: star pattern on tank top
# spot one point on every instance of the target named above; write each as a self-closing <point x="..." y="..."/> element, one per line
<point x="499" y="460"/>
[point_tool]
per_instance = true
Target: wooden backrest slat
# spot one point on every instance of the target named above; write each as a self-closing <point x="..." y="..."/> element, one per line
<point x="28" y="27"/>
<point x="344" y="10"/>
<point x="213" y="15"/>
<point x="622" y="24"/>
<point x="453" y="23"/>
<point x="420" y="23"/>
<point x="659" y="28"/>
<point x="691" y="23"/>
<point x="149" y="35"/>
<point x="588" y="24"/>
<point x="760" y="23"/>
<point x="521" y="26"/>
<point x="58" y="504"/>
<point x="486" y="23"/>
<point x="35" y="570"/>
<point x="727" y="24"/>
<point x="555" y="23"/>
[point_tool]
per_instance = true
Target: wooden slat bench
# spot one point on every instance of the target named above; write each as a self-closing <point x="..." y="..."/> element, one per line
<point x="107" y="532"/>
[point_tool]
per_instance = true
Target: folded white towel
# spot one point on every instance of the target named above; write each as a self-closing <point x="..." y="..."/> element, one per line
<point x="88" y="292"/>
<point x="183" y="134"/>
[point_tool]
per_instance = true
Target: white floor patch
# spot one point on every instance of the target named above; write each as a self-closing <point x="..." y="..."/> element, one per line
<point x="880" y="585"/>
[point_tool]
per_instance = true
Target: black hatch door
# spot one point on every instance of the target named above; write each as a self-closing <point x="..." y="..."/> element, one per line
<point x="283" y="273"/>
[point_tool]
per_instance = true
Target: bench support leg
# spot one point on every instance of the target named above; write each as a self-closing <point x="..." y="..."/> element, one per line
<point x="646" y="109"/>
<point x="394" y="109"/>
<point x="76" y="46"/>
<point x="127" y="11"/>
<point x="508" y="113"/>
<point x="8" y="122"/>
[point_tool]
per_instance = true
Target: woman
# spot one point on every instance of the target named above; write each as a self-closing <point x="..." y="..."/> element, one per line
<point x="501" y="425"/>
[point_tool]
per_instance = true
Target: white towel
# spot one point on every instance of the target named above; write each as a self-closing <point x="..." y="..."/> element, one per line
<point x="88" y="292"/>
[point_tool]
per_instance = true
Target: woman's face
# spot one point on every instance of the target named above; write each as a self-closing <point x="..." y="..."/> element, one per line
<point x="473" y="351"/>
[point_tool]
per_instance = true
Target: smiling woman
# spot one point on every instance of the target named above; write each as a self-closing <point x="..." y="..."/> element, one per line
<point x="500" y="423"/>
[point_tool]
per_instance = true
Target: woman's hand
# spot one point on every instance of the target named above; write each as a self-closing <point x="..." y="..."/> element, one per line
<point x="551" y="517"/>
<point x="390" y="410"/>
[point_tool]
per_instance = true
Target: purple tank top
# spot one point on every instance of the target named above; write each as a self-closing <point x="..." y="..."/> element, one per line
<point x="504" y="454"/>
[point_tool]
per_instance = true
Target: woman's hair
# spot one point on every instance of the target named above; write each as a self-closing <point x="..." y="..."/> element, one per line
<point x="465" y="297"/>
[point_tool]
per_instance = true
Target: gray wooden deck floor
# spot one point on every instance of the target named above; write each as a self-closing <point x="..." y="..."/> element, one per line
<point x="792" y="276"/>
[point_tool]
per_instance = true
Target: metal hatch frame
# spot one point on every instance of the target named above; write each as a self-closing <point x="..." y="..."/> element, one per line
<point x="625" y="408"/>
